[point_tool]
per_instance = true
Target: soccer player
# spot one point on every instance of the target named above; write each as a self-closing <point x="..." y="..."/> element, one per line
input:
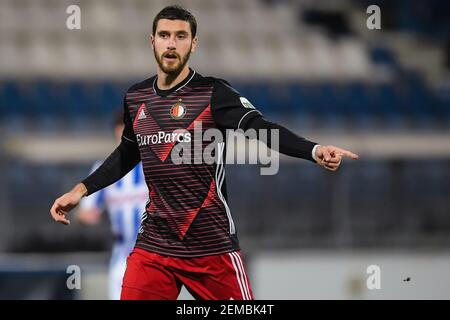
<point x="187" y="235"/>
<point x="124" y="201"/>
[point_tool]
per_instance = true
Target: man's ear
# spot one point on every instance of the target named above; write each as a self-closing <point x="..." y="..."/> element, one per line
<point x="194" y="44"/>
<point x="152" y="41"/>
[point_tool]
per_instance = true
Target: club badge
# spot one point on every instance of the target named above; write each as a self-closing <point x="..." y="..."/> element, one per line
<point x="178" y="110"/>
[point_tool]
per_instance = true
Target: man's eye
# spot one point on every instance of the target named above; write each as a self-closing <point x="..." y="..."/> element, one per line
<point x="181" y="36"/>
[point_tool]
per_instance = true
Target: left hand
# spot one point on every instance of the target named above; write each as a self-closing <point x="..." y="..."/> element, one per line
<point x="330" y="157"/>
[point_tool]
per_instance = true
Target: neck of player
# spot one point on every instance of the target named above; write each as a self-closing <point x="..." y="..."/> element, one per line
<point x="167" y="81"/>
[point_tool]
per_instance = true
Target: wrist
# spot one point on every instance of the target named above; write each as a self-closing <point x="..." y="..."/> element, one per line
<point x="80" y="189"/>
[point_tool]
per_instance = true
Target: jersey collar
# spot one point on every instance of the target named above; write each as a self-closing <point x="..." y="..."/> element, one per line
<point x="165" y="93"/>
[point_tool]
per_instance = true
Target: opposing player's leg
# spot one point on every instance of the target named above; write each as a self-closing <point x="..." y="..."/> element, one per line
<point x="116" y="272"/>
<point x="117" y="266"/>
<point x="147" y="278"/>
<point x="218" y="277"/>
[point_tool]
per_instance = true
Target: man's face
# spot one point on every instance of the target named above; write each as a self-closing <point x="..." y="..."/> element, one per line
<point x="172" y="45"/>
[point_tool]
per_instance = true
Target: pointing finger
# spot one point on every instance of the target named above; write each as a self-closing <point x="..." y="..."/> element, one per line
<point x="347" y="154"/>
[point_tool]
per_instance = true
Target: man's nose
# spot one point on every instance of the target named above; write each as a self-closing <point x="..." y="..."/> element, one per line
<point x="171" y="44"/>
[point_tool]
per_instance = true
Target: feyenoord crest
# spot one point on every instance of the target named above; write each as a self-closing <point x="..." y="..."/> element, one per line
<point x="178" y="110"/>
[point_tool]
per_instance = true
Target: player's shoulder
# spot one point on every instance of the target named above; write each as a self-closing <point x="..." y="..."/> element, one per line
<point x="218" y="84"/>
<point x="145" y="84"/>
<point x="212" y="80"/>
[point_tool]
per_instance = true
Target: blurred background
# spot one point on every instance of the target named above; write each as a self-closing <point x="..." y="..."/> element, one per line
<point x="314" y="66"/>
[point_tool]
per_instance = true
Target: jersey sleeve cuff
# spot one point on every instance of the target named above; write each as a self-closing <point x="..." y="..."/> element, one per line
<point x="313" y="153"/>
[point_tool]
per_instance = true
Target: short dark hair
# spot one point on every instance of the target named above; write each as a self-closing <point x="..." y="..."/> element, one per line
<point x="176" y="13"/>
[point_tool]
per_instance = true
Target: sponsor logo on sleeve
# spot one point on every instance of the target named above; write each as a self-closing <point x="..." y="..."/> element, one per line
<point x="247" y="104"/>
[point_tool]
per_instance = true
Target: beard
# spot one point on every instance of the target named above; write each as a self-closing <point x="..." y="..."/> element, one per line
<point x="175" y="67"/>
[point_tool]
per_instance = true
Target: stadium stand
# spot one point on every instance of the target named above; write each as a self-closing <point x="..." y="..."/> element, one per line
<point x="308" y="64"/>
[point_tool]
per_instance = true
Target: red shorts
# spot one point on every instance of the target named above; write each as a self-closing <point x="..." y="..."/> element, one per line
<point x="150" y="276"/>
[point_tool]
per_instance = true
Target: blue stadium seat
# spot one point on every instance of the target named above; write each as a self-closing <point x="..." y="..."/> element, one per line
<point x="77" y="99"/>
<point x="299" y="96"/>
<point x="380" y="55"/>
<point x="13" y="98"/>
<point x="44" y="98"/>
<point x="358" y="106"/>
<point x="261" y="98"/>
<point x="328" y="102"/>
<point x="107" y="97"/>
<point x="278" y="99"/>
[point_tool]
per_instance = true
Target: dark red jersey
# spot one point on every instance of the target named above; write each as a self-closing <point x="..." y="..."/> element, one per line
<point x="188" y="215"/>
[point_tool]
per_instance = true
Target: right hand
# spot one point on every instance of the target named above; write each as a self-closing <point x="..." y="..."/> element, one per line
<point x="330" y="157"/>
<point x="67" y="202"/>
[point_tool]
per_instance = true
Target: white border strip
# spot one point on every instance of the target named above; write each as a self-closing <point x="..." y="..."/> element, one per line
<point x="220" y="177"/>
<point x="239" y="124"/>
<point x="240" y="263"/>
<point x="238" y="276"/>
<point x="128" y="139"/>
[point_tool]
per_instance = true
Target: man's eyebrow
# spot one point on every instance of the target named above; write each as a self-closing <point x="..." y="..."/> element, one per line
<point x="177" y="32"/>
